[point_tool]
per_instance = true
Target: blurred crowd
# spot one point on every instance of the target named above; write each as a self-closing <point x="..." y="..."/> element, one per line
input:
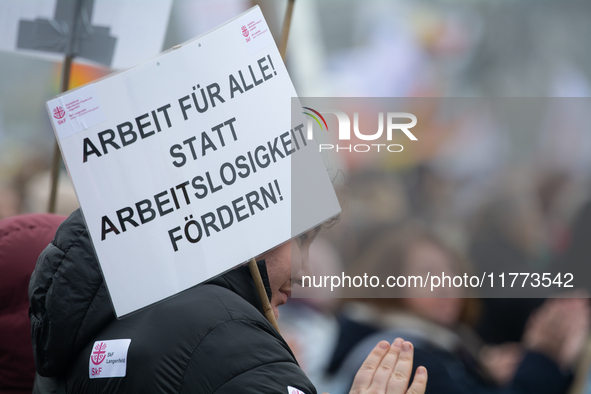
<point x="403" y="223"/>
<point x="477" y="193"/>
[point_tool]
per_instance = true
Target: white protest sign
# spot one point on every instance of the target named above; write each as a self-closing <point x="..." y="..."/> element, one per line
<point x="182" y="165"/>
<point x="117" y="33"/>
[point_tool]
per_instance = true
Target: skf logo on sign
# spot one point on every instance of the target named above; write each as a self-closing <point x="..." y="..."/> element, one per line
<point x="97" y="357"/>
<point x="344" y="132"/>
<point x="246" y="33"/>
<point x="99" y="354"/>
<point x="108" y="359"/>
<point x="59" y="113"/>
<point x="293" y="390"/>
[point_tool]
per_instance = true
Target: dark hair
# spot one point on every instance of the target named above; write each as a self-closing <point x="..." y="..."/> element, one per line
<point x="388" y="253"/>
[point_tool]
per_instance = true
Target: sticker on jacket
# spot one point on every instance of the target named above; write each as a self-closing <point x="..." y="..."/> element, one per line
<point x="293" y="390"/>
<point x="108" y="359"/>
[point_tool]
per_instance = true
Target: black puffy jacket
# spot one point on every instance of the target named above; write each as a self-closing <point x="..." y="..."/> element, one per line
<point x="212" y="338"/>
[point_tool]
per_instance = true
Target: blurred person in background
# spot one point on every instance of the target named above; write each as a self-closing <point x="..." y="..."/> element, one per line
<point x="369" y="198"/>
<point x="439" y="325"/>
<point x="506" y="236"/>
<point x="308" y="325"/>
<point x="575" y="259"/>
<point x="522" y="227"/>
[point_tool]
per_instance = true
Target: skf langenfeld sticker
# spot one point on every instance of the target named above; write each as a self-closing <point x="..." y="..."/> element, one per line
<point x="108" y="359"/>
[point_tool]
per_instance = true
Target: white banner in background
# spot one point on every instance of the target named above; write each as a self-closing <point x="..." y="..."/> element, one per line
<point x="134" y="28"/>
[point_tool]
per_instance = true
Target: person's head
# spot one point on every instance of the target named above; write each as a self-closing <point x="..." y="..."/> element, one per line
<point x="444" y="305"/>
<point x="416" y="251"/>
<point x="286" y="264"/>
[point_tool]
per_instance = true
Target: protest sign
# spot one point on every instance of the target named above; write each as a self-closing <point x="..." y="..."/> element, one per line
<point x="183" y="164"/>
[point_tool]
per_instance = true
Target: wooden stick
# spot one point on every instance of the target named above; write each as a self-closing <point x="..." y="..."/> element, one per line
<point x="57" y="156"/>
<point x="258" y="282"/>
<point x="252" y="264"/>
<point x="285" y="29"/>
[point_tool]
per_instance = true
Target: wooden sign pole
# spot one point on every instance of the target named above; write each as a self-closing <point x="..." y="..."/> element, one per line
<point x="252" y="264"/>
<point x="64" y="86"/>
<point x="285" y="29"/>
<point x="258" y="282"/>
<point x="57" y="156"/>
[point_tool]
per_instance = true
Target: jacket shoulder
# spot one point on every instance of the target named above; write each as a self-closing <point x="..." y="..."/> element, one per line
<point x="195" y="342"/>
<point x="242" y="354"/>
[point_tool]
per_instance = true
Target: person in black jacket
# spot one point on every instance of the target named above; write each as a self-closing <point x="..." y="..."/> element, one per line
<point x="212" y="338"/>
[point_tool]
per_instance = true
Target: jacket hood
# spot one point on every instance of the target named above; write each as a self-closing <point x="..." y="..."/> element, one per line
<point x="69" y="301"/>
